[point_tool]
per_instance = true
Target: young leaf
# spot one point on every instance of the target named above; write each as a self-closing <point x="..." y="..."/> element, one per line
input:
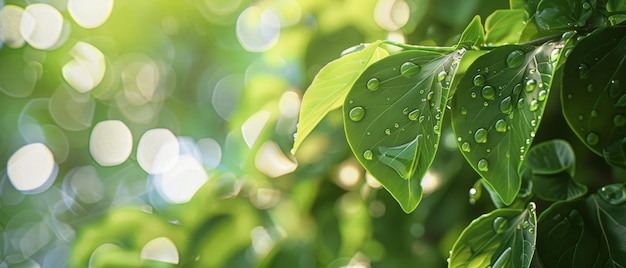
<point x="392" y="118"/>
<point x="593" y="91"/>
<point x="504" y="26"/>
<point x="497" y="110"/>
<point x="584" y="233"/>
<point x="331" y="85"/>
<point x="565" y="14"/>
<point x="551" y="157"/>
<point x="473" y="35"/>
<point x="502" y="238"/>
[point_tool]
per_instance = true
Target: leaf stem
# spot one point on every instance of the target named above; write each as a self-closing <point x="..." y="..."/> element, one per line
<point x="417" y="47"/>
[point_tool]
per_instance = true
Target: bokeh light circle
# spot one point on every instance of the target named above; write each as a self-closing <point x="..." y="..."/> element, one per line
<point x="160" y="249"/>
<point x="86" y="70"/>
<point x="90" y="13"/>
<point x="41" y="25"/>
<point x="31" y="169"/>
<point x="111" y="142"/>
<point x="158" y="151"/>
<point x="10" y="19"/>
<point x="257" y="29"/>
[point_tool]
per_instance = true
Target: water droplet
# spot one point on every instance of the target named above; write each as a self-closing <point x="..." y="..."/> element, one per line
<point x="520" y="103"/>
<point x="530" y="85"/>
<point x="405" y="111"/>
<point x="542" y="95"/>
<point x="437" y="131"/>
<point x="396" y="125"/>
<point x="480" y="135"/>
<point x="483" y="165"/>
<point x="501" y="125"/>
<point x="442" y="76"/>
<point x="473" y="197"/>
<point x="525" y="224"/>
<point x="594" y="113"/>
<point x="533" y="122"/>
<point x="368" y="155"/>
<point x="586" y="5"/>
<point x="500" y="224"/>
<point x="486" y="70"/>
<point x="421" y="91"/>
<point x="590" y="88"/>
<point x="373" y="84"/>
<point x="531" y="230"/>
<point x="430" y="95"/>
<point x="619" y="120"/>
<point x="532" y="207"/>
<point x="614" y="89"/>
<point x="515" y="58"/>
<point x="517" y="88"/>
<point x="408" y="69"/>
<point x="506" y="106"/>
<point x="621" y="102"/>
<point x="567" y="52"/>
<point x="583" y="71"/>
<point x="414" y="114"/>
<point x="614" y="193"/>
<point x="357" y="113"/>
<point x="534" y="105"/>
<point x="503" y="260"/>
<point x="465" y="146"/>
<point x="592" y="138"/>
<point x="479" y="80"/>
<point x="567" y="35"/>
<point x="485" y="104"/>
<point x="421" y="119"/>
<point x="473" y="94"/>
<point x="387" y="132"/>
<point x="463" y="110"/>
<point x="554" y="55"/>
<point x="488" y="92"/>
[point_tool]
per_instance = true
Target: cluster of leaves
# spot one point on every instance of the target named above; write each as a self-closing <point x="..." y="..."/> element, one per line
<point x="495" y="83"/>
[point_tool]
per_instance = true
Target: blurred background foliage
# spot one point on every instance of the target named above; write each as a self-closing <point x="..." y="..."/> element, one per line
<point x="167" y="127"/>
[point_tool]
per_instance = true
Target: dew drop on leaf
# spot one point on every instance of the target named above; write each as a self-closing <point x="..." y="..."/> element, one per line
<point x="621" y="102"/>
<point x="534" y="105"/>
<point x="594" y="113"/>
<point x="530" y="85"/>
<point x="583" y="71"/>
<point x="414" y="114"/>
<point x="430" y="95"/>
<point x="542" y="95"/>
<point x="442" y="76"/>
<point x="373" y="84"/>
<point x="465" y="146"/>
<point x="463" y="110"/>
<point x="586" y="5"/>
<point x="614" y="193"/>
<point x="554" y="56"/>
<point x="405" y="111"/>
<point x="421" y="119"/>
<point x="479" y="80"/>
<point x="503" y="260"/>
<point x="473" y="94"/>
<point x="488" y="92"/>
<point x="619" y="120"/>
<point x="501" y="125"/>
<point x="408" y="69"/>
<point x="520" y="103"/>
<point x="515" y="58"/>
<point x="517" y="88"/>
<point x="614" y="89"/>
<point x="483" y="165"/>
<point x="387" y="132"/>
<point x="590" y="88"/>
<point x="480" y="136"/>
<point x="357" y="113"/>
<point x="368" y="155"/>
<point x="500" y="224"/>
<point x="592" y="138"/>
<point x="506" y="106"/>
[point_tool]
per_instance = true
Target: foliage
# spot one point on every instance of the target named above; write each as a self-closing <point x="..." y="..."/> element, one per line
<point x="394" y="110"/>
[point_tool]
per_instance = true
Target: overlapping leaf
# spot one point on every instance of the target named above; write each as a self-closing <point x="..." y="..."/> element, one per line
<point x="504" y="26"/>
<point x="502" y="238"/>
<point x="585" y="233"/>
<point x="331" y="85"/>
<point x="473" y="35"/>
<point x="497" y="109"/>
<point x="594" y="90"/>
<point x="393" y="115"/>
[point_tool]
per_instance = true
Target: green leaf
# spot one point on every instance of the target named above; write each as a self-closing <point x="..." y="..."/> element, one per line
<point x="564" y="14"/>
<point x="583" y="233"/>
<point x="551" y="157"/>
<point x="473" y="35"/>
<point x="497" y="110"/>
<point x="616" y="5"/>
<point x="593" y="88"/>
<point x="504" y="26"/>
<point x="331" y="85"/>
<point x="556" y="187"/>
<point x="502" y="238"/>
<point x="393" y="115"/>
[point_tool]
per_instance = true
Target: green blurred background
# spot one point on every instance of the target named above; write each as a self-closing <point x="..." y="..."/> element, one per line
<point x="168" y="126"/>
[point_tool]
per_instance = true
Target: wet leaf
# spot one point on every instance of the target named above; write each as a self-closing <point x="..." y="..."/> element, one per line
<point x="593" y="88"/>
<point x="504" y="26"/>
<point x="497" y="109"/>
<point x="394" y="127"/>
<point x="331" y="85"/>
<point x="564" y="14"/>
<point x="502" y="238"/>
<point x="473" y="35"/>
<point x="583" y="233"/>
